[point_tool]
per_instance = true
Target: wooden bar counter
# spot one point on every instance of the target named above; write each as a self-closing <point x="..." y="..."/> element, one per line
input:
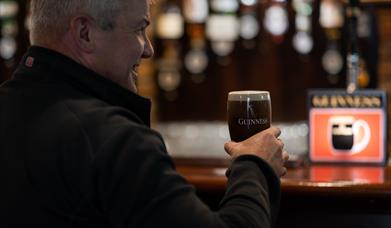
<point x="313" y="195"/>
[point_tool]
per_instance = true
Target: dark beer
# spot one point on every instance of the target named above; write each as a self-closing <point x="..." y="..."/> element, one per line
<point x="342" y="136"/>
<point x="249" y="112"/>
<point x="343" y="142"/>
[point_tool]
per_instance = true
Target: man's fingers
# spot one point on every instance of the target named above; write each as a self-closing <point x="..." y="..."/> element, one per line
<point x="275" y="131"/>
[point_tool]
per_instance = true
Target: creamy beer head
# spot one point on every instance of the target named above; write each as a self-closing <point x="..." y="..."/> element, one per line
<point x="249" y="112"/>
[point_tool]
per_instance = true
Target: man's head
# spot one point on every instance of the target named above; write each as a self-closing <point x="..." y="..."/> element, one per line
<point x="107" y="36"/>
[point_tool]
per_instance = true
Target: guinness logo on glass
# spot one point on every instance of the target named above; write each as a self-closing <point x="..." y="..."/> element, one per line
<point x="249" y="112"/>
<point x="242" y="121"/>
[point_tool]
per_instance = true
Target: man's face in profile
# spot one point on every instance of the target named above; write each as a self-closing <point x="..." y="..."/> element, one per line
<point x="119" y="51"/>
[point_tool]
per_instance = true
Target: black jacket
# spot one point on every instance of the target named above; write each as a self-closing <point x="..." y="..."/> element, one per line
<point x="76" y="150"/>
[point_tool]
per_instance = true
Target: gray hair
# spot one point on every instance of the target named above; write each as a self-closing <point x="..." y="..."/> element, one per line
<point x="54" y="15"/>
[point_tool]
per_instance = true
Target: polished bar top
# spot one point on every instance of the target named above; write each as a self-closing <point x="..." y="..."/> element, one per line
<point x="312" y="195"/>
<point x="310" y="179"/>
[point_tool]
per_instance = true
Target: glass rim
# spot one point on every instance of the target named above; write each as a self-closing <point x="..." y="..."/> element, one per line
<point x="249" y="92"/>
<point x="241" y="95"/>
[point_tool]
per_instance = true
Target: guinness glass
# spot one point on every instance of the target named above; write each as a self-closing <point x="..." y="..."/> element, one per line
<point x="249" y="112"/>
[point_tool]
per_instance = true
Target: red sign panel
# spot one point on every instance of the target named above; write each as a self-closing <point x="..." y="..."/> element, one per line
<point x="347" y="134"/>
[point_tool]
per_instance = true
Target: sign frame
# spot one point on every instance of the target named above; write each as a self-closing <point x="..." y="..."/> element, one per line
<point x="339" y="123"/>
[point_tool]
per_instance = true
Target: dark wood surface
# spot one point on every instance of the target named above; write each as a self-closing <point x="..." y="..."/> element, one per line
<point x="319" y="179"/>
<point x="314" y="195"/>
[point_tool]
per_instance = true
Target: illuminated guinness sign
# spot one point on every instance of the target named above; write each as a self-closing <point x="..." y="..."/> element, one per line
<point x="348" y="127"/>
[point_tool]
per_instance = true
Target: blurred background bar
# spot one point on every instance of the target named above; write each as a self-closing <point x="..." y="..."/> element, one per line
<point x="206" y="48"/>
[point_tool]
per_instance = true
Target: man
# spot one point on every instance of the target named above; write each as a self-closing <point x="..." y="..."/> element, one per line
<point x="76" y="149"/>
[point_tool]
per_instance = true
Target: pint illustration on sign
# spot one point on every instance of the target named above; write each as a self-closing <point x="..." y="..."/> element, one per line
<point x="347" y="128"/>
<point x="348" y="135"/>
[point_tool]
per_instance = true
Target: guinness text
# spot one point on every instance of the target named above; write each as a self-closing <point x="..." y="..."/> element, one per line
<point x="242" y="121"/>
<point x="346" y="101"/>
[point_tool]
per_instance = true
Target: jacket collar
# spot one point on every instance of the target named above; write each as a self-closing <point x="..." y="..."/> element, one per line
<point x="40" y="60"/>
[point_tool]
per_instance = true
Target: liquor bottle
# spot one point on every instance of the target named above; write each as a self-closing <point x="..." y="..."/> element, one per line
<point x="276" y="20"/>
<point x="222" y="26"/>
<point x="331" y="19"/>
<point x="8" y="29"/>
<point x="302" y="40"/>
<point x="249" y="25"/>
<point x="196" y="59"/>
<point x="170" y="29"/>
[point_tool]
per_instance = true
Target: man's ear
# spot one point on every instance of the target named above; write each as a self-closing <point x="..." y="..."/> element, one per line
<point x="83" y="29"/>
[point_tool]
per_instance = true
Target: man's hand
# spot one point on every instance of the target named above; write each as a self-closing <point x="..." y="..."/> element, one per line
<point x="265" y="145"/>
